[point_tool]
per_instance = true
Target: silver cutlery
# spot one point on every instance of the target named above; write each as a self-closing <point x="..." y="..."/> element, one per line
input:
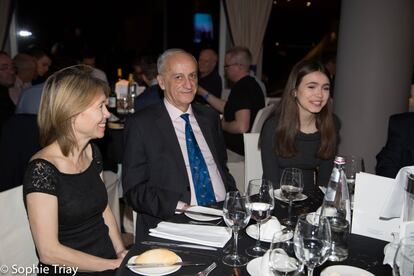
<point x="152" y="265"/>
<point x="196" y="213"/>
<point x="207" y="271"/>
<point x="205" y="223"/>
<point x="186" y="245"/>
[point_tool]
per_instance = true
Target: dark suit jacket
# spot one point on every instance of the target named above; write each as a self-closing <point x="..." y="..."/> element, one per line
<point x="399" y="149"/>
<point x="154" y="172"/>
<point x="19" y="141"/>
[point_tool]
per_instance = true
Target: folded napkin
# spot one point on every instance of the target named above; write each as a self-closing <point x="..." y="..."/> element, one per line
<point x="269" y="228"/>
<point x="216" y="236"/>
<point x="264" y="265"/>
<point x="394" y="204"/>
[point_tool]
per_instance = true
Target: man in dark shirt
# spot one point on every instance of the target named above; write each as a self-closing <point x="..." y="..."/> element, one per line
<point x="7" y="79"/>
<point x="209" y="79"/>
<point x="245" y="100"/>
<point x="398" y="152"/>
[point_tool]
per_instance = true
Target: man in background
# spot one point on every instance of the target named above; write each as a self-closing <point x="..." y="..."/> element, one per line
<point x="7" y="79"/>
<point x="398" y="152"/>
<point x="209" y="79"/>
<point x="26" y="71"/>
<point x="245" y="100"/>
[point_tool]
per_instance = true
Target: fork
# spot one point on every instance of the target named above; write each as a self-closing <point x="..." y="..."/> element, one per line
<point x="207" y="271"/>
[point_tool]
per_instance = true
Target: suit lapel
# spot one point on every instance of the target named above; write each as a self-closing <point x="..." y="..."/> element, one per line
<point x="163" y="122"/>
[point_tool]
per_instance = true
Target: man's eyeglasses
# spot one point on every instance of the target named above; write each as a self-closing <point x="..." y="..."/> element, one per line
<point x="229" y="65"/>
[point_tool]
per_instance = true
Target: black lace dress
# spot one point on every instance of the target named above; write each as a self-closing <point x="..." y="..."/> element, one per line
<point x="82" y="198"/>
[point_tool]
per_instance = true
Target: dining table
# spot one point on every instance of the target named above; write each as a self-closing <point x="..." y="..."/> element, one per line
<point x="364" y="252"/>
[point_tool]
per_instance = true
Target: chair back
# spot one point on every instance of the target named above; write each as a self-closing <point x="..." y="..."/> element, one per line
<point x="252" y="158"/>
<point x="272" y="100"/>
<point x="261" y="117"/>
<point x="16" y="242"/>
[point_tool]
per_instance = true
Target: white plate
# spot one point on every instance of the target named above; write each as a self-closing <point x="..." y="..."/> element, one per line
<point x="251" y="231"/>
<point x="253" y="267"/>
<point x="279" y="196"/>
<point x="345" y="270"/>
<point x="205" y="210"/>
<point x="165" y="270"/>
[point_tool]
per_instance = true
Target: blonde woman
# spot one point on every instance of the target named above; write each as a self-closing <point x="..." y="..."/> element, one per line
<point x="66" y="200"/>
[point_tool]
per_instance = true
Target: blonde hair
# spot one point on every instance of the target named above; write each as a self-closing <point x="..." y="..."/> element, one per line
<point x="66" y="93"/>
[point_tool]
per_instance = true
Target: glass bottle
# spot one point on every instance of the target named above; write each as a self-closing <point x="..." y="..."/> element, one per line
<point x="112" y="102"/>
<point x="132" y="92"/>
<point x="336" y="207"/>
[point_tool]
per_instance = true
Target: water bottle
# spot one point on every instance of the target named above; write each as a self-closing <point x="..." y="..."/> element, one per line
<point x="336" y="207"/>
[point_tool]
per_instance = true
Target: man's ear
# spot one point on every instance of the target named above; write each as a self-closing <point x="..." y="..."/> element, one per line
<point x="160" y="80"/>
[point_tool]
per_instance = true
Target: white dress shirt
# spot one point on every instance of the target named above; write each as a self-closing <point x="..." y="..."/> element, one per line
<point x="179" y="127"/>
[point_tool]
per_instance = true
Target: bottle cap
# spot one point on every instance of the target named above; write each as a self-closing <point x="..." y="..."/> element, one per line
<point x="339" y="160"/>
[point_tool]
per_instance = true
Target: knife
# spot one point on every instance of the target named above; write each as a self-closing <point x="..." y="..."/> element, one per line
<point x="197" y="213"/>
<point x="151" y="265"/>
<point x="167" y="244"/>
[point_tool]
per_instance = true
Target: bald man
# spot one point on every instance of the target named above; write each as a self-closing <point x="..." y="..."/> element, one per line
<point x="209" y="79"/>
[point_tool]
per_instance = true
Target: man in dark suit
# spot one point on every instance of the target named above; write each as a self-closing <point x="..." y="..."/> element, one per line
<point x="157" y="174"/>
<point x="399" y="149"/>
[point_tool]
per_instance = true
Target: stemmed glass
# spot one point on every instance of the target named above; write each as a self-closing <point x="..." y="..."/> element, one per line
<point x="282" y="259"/>
<point x="312" y="240"/>
<point x="261" y="204"/>
<point x="236" y="214"/>
<point x="404" y="258"/>
<point x="291" y="184"/>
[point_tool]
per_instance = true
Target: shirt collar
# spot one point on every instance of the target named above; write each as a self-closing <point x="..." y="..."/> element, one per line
<point x="174" y="112"/>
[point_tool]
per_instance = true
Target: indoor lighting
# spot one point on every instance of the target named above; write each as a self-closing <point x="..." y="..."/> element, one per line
<point x="25" y="33"/>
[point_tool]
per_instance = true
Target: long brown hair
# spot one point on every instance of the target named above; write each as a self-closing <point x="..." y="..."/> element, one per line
<point x="66" y="93"/>
<point x="288" y="126"/>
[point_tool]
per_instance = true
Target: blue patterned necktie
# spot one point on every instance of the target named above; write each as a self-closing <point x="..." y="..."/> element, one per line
<point x="201" y="178"/>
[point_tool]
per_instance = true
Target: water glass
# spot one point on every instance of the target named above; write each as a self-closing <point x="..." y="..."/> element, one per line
<point x="404" y="258"/>
<point x="261" y="205"/>
<point x="282" y="258"/>
<point x="291" y="184"/>
<point x="236" y="215"/>
<point x="312" y="240"/>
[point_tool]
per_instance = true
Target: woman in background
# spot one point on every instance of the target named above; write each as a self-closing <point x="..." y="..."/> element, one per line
<point x="302" y="133"/>
<point x="65" y="197"/>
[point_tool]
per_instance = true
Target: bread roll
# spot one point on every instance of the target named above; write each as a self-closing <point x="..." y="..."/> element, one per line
<point x="159" y="255"/>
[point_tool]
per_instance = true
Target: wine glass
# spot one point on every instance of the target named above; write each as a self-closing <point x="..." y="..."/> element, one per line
<point x="404" y="257"/>
<point x="236" y="214"/>
<point x="282" y="259"/>
<point x="291" y="184"/>
<point x="312" y="240"/>
<point x="261" y="204"/>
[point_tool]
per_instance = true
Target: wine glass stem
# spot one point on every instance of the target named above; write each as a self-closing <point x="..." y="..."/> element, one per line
<point x="258" y="234"/>
<point x="290" y="210"/>
<point x="235" y="235"/>
<point x="310" y="271"/>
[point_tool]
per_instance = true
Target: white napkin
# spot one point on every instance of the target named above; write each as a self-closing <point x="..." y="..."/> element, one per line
<point x="269" y="228"/>
<point x="390" y="249"/>
<point x="394" y="203"/>
<point x="264" y="264"/>
<point x="216" y="236"/>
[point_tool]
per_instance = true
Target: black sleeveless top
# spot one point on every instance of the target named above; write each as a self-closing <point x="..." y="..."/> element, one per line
<point x="82" y="198"/>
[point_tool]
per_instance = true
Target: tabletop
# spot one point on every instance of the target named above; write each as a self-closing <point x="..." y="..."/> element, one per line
<point x="364" y="252"/>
